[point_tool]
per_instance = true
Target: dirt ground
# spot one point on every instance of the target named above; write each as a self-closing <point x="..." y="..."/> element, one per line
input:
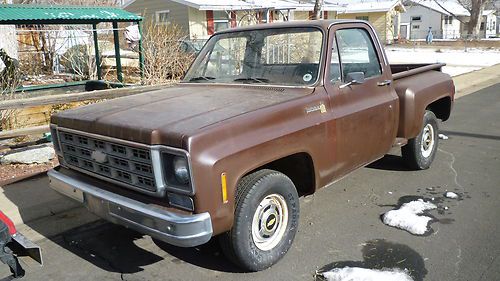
<point x="15" y="172"/>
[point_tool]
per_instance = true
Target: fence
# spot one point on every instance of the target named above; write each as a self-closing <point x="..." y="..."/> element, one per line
<point x="41" y="104"/>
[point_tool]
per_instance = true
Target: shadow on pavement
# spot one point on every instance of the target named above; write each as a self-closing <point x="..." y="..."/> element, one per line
<point x="381" y="254"/>
<point x="389" y="163"/>
<point x="471" y="135"/>
<point x="108" y="246"/>
<point x="208" y="256"/>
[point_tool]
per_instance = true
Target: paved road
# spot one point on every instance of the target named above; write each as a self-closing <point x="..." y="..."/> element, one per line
<point x="339" y="225"/>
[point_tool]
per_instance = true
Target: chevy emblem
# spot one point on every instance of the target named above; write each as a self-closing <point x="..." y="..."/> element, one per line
<point x="99" y="156"/>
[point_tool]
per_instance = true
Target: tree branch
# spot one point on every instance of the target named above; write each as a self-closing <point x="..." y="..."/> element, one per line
<point x="446" y="10"/>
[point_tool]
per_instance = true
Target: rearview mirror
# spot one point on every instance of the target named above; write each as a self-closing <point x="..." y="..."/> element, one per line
<point x="353" y="78"/>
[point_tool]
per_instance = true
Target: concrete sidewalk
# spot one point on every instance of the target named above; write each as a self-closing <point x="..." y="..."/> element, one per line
<point x="471" y="82"/>
<point x="31" y="201"/>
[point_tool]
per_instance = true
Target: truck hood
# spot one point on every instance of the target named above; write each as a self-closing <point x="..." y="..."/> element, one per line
<point x="170" y="115"/>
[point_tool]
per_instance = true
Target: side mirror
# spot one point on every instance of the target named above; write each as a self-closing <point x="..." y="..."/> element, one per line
<point x="354" y="78"/>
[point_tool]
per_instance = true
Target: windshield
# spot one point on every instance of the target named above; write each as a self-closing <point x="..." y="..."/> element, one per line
<point x="288" y="56"/>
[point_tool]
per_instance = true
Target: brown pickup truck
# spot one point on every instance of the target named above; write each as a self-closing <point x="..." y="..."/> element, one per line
<point x="265" y="114"/>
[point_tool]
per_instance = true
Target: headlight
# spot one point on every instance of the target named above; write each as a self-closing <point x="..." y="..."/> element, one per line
<point x="176" y="173"/>
<point x="181" y="170"/>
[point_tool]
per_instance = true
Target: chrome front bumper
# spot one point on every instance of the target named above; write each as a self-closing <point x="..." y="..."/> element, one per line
<point x="176" y="229"/>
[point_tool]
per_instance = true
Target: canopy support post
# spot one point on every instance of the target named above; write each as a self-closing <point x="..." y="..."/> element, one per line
<point x="141" y="53"/>
<point x="116" y="39"/>
<point x="96" y="48"/>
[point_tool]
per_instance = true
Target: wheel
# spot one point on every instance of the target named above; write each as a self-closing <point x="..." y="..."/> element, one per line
<point x="421" y="150"/>
<point x="265" y="220"/>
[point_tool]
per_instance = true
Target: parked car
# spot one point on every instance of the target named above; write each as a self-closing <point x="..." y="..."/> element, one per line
<point x="287" y="109"/>
<point x="13" y="245"/>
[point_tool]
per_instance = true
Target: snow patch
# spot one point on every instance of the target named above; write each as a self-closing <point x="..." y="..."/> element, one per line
<point x="451" y="195"/>
<point x="443" y="136"/>
<point x="407" y="217"/>
<point x="365" y="274"/>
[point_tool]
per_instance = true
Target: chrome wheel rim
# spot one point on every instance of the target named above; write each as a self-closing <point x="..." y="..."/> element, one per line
<point x="428" y="140"/>
<point x="269" y="222"/>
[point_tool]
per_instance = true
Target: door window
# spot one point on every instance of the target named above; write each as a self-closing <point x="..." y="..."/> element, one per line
<point x="335" y="64"/>
<point x="357" y="52"/>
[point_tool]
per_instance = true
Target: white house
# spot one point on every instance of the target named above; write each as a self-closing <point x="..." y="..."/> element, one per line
<point x="489" y="23"/>
<point x="444" y="20"/>
<point x="9" y="40"/>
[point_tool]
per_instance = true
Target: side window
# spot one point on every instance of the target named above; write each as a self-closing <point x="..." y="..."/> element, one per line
<point x="357" y="52"/>
<point x="335" y="64"/>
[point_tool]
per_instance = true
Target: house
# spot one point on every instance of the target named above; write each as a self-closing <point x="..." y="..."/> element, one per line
<point x="445" y="20"/>
<point x="201" y="18"/>
<point x="384" y="15"/>
<point x="9" y="40"/>
<point x="489" y="24"/>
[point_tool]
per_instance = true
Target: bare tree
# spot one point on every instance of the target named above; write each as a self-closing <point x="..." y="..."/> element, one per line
<point x="475" y="9"/>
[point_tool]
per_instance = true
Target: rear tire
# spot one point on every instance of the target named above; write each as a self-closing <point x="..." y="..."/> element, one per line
<point x="421" y="150"/>
<point x="265" y="220"/>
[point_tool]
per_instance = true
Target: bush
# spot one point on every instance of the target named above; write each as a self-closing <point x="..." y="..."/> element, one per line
<point x="164" y="58"/>
<point x="78" y="61"/>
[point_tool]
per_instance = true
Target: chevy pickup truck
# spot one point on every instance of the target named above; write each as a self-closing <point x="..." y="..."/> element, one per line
<point x="264" y="115"/>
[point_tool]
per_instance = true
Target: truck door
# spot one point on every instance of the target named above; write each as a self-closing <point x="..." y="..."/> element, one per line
<point x="364" y="111"/>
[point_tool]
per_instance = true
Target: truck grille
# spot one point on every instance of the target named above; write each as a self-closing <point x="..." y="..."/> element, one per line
<point x="129" y="165"/>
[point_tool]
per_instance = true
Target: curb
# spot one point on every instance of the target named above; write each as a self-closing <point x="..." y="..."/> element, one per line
<point x="31" y="199"/>
<point x="468" y="83"/>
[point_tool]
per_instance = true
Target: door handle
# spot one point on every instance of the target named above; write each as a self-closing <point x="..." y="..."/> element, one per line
<point x="384" y="83"/>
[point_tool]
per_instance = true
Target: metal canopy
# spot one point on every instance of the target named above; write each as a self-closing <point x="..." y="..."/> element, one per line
<point x="39" y="14"/>
<point x="58" y="15"/>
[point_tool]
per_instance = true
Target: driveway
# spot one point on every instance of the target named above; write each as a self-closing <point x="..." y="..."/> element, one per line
<point x="340" y="225"/>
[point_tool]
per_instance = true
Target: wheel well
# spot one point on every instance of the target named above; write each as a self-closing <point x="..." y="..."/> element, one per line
<point x="298" y="167"/>
<point x="441" y="108"/>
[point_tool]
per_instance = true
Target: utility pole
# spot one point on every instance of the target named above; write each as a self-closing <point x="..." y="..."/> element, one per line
<point x="318" y="7"/>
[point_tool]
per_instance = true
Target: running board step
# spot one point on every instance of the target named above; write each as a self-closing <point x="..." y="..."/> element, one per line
<point x="399" y="142"/>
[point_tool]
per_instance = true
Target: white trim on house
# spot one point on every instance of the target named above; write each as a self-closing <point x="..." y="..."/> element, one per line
<point x="358" y="7"/>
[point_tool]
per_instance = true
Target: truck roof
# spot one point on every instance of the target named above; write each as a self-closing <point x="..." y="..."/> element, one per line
<point x="323" y="24"/>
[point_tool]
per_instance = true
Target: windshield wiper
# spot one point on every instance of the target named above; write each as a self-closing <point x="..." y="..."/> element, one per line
<point x="252" y="79"/>
<point x="199" y="78"/>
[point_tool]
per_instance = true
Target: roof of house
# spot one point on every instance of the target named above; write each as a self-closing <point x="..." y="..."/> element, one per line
<point x="365" y="6"/>
<point x="448" y="7"/>
<point x="39" y="14"/>
<point x="217" y="4"/>
<point x="344" y="6"/>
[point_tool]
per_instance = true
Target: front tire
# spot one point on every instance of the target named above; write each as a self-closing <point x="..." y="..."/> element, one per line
<point x="265" y="221"/>
<point x="421" y="150"/>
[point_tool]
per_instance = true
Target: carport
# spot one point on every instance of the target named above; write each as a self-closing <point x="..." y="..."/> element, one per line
<point x="76" y="15"/>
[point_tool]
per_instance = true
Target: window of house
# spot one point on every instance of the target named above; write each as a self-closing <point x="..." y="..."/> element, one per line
<point x="448" y="19"/>
<point x="221" y="20"/>
<point x="416" y="18"/>
<point x="357" y="52"/>
<point x="365" y="18"/>
<point x="482" y="26"/>
<point x="162" y="17"/>
<point x="416" y="27"/>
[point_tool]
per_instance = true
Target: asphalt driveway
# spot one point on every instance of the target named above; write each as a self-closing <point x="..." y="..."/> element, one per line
<point x="340" y="225"/>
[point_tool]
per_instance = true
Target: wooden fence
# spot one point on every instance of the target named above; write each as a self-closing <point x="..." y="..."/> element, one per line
<point x="34" y="112"/>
